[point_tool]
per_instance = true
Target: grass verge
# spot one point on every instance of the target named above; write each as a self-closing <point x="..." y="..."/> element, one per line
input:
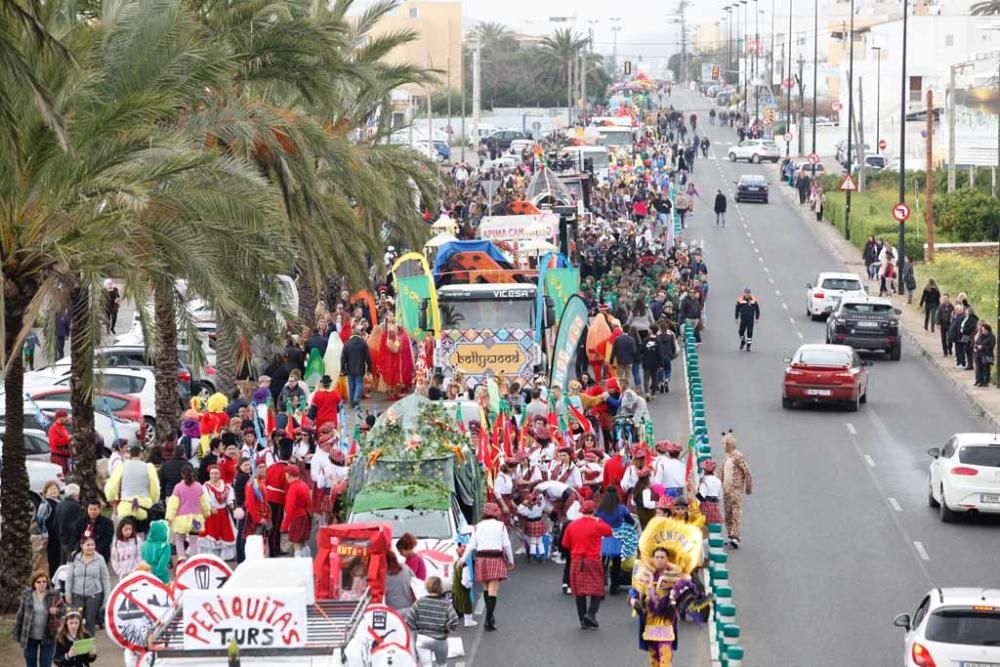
<point x="976" y="276"/>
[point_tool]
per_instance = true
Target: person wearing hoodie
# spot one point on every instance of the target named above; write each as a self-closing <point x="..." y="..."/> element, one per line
<point x="355" y="362"/>
<point x="156" y="550"/>
<point x="652" y="358"/>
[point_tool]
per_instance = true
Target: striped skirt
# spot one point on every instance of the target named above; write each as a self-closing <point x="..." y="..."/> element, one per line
<point x="490" y="567"/>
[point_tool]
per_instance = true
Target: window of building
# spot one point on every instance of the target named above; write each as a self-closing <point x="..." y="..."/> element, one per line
<point x="414" y="13"/>
<point x="949" y="40"/>
<point x="916" y="88"/>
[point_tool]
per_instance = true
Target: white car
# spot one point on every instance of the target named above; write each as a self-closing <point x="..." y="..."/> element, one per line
<point x="518" y="145"/>
<point x="36" y="452"/>
<point x="829" y="288"/>
<point x="106" y="426"/>
<point x="755" y="150"/>
<point x="953" y="627"/>
<point x="965" y="476"/>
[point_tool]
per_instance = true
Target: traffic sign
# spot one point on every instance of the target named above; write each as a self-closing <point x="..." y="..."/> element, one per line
<point x="788" y="136"/>
<point x="848" y="184"/>
<point x="901" y="212"/>
<point x="789" y="83"/>
<point x="813" y="158"/>
<point x="882" y="145"/>
<point x="836" y="106"/>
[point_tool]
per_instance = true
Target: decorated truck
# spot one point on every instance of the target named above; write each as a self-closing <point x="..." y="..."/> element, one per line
<point x="489" y="315"/>
<point x="419" y="475"/>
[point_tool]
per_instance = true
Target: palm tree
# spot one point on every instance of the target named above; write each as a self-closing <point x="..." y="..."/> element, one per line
<point x="559" y="53"/>
<point x="986" y="8"/>
<point x="492" y="34"/>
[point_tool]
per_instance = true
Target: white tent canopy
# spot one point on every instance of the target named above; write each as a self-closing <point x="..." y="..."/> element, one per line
<point x="440" y="240"/>
<point x="444" y="224"/>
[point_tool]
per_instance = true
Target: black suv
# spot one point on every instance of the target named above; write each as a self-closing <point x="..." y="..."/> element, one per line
<point x="504" y="138"/>
<point x="866" y="323"/>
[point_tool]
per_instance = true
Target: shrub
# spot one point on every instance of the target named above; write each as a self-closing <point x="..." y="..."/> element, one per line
<point x="968" y="215"/>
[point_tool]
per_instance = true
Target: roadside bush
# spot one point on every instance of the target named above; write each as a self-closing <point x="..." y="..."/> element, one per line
<point x="976" y="276"/>
<point x="968" y="215"/>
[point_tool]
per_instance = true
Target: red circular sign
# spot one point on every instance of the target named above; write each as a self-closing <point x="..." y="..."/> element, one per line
<point x="789" y="83"/>
<point x="813" y="158"/>
<point x="901" y="212"/>
<point x="882" y="145"/>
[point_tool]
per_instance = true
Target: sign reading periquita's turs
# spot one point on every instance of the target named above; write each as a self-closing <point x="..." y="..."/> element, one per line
<point x="272" y="619"/>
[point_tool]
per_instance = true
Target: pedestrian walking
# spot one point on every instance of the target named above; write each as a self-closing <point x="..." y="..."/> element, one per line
<point x="112" y="302"/>
<point x="720" y="209"/>
<point x="930" y="299"/>
<point x="60" y="451"/>
<point x="656" y="611"/>
<point x="37" y="621"/>
<point x="736" y="481"/>
<point x="69" y="633"/>
<point x="614" y="513"/>
<point x="493" y="558"/>
<point x="943" y="315"/>
<point x="296" y="520"/>
<point x="818" y="204"/>
<point x="66" y="522"/>
<point x="28" y="350"/>
<point x="187" y="508"/>
<point x="908" y="278"/>
<point x="747" y="314"/>
<point x="432" y="618"/>
<point x="355" y="363"/>
<point x="582" y="538"/>
<point x="709" y="494"/>
<point x="88" y="583"/>
<point x="985" y="347"/>
<point x="398" y="584"/>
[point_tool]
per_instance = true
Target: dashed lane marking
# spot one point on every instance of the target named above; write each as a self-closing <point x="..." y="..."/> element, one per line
<point x="851" y="429"/>
<point x="771" y="280"/>
<point x="894" y="504"/>
<point x="921" y="550"/>
<point x="791" y="320"/>
<point x="785" y="306"/>
<point x="799" y="334"/>
<point x="869" y="460"/>
<point x="777" y="291"/>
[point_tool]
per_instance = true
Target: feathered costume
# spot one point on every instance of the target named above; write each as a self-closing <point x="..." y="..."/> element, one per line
<point x="212" y="421"/>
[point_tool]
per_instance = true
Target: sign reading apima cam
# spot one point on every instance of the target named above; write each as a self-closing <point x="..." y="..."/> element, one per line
<point x="254" y="619"/>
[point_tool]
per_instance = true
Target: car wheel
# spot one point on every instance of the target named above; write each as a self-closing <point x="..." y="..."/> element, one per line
<point x="786" y="403"/>
<point x="930" y="497"/>
<point x="896" y="352"/>
<point x="765" y="200"/>
<point x="864" y="396"/>
<point x="755" y="159"/>
<point x="149" y="439"/>
<point x="854" y="405"/>
<point x="827" y="337"/>
<point x="732" y="157"/>
<point x="945" y="514"/>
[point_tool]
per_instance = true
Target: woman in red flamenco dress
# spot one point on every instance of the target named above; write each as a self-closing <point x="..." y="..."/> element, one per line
<point x="395" y="358"/>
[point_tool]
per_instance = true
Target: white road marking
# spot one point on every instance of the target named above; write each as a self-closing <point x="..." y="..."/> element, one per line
<point x="756" y="249"/>
<point x="799" y="334"/>
<point x="869" y="460"/>
<point x="760" y="259"/>
<point x="921" y="550"/>
<point x="767" y="270"/>
<point x="771" y="280"/>
<point x="777" y="291"/>
<point x="748" y="233"/>
<point x="785" y="306"/>
<point x="851" y="429"/>
<point x="894" y="504"/>
<point x="791" y="320"/>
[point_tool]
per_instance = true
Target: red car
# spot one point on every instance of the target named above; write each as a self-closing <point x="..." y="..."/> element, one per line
<point x="122" y="405"/>
<point x="825" y="374"/>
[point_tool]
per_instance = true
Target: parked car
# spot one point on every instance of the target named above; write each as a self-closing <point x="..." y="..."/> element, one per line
<point x="965" y="476"/>
<point x="755" y="150"/>
<point x="39" y="471"/>
<point x="751" y="187"/>
<point x="36" y="444"/>
<point x="873" y="163"/>
<point x="123" y="406"/>
<point x="825" y="374"/>
<point x="829" y="289"/>
<point x="421" y="146"/>
<point x="866" y="323"/>
<point x="503" y="138"/>
<point x="810" y="168"/>
<point x="518" y="145"/>
<point x="136" y="356"/>
<point x="953" y="627"/>
<point x="841" y="154"/>
<point x="106" y="426"/>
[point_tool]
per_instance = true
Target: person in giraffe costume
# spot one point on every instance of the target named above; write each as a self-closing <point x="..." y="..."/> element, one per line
<point x="736" y="480"/>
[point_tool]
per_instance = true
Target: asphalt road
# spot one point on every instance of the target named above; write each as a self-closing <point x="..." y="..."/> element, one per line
<point x="538" y="624"/>
<point x="838" y="536"/>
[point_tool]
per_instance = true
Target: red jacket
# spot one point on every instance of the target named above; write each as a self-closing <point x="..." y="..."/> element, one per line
<point x="276" y="483"/>
<point x="59" y="439"/>
<point x="257" y="510"/>
<point x="582" y="537"/>
<point x="227" y="470"/>
<point x="614" y="470"/>
<point x="327" y="407"/>
<point x="297" y="502"/>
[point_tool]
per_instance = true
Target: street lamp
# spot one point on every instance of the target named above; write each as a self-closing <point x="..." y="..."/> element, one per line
<point x="615" y="28"/>
<point x="816" y="80"/>
<point x="878" y="97"/>
<point x="756" y="50"/>
<point x="903" y="102"/>
<point x="788" y="118"/>
<point x="746" y="67"/>
<point x="729" y="40"/>
<point x="850" y="123"/>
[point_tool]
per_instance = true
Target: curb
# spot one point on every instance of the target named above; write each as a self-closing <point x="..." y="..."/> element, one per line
<point x="850" y="256"/>
<point x="723" y="631"/>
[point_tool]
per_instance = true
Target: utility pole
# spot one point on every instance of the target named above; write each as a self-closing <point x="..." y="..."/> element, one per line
<point x="583" y="83"/>
<point x="850" y="123"/>
<point x="770" y="73"/>
<point x="878" y="98"/>
<point x="951" y="130"/>
<point x="476" y="93"/>
<point x="569" y="88"/>
<point x="860" y="126"/>
<point x="816" y="62"/>
<point x="756" y="70"/>
<point x="461" y="85"/>
<point x="788" y="120"/>
<point x="746" y="55"/>
<point x="903" y="103"/>
<point x="681" y="11"/>
<point x="449" y="91"/>
<point x="802" y="102"/>
<point x="615" y="28"/>
<point x="929" y="209"/>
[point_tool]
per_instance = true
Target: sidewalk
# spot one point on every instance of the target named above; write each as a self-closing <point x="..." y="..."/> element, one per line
<point x="985" y="400"/>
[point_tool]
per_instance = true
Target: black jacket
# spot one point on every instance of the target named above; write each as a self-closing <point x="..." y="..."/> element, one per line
<point x="104" y="534"/>
<point x="747" y="309"/>
<point x="944" y="314"/>
<point x="668" y="347"/>
<point x="355" y="359"/>
<point x="170" y="475"/>
<point x="690" y="308"/>
<point x="624" y="350"/>
<point x="955" y="329"/>
<point x="969" y="325"/>
<point x="66" y="521"/>
<point x="652" y="356"/>
<point x="720" y="203"/>
<point x="930" y="298"/>
<point x="985" y="347"/>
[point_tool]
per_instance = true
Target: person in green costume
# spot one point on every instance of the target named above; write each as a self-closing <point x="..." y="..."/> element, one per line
<point x="156" y="551"/>
<point x="315" y="369"/>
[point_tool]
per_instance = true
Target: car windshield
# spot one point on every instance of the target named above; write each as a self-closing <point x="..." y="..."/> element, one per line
<point x="487" y="314"/>
<point x="980" y="455"/>
<point x="861" y="308"/>
<point x="423" y="524"/>
<point x="616" y="138"/>
<point x="770" y="145"/>
<point x="841" y="284"/>
<point x="752" y="180"/>
<point x="964" y="625"/>
<point x="821" y="357"/>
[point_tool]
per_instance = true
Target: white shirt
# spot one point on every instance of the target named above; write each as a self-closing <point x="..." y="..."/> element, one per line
<point x="710" y="487"/>
<point x="557" y="472"/>
<point x="491" y="535"/>
<point x="503" y="485"/>
<point x="629" y="479"/>
<point x="647" y="499"/>
<point x="573" y="511"/>
<point x="320" y="469"/>
<point x="531" y="511"/>
<point x="115" y="460"/>
<point x="670" y="472"/>
<point x="552" y="489"/>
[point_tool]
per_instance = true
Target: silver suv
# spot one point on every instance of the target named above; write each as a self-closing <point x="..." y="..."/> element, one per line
<point x="755" y="150"/>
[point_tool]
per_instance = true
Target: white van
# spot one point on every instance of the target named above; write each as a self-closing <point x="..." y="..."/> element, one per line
<point x="599" y="155"/>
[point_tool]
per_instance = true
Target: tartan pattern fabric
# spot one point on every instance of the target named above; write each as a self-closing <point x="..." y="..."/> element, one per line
<point x="711" y="512"/>
<point x="490" y="568"/>
<point x="299" y="530"/>
<point x="534" y="528"/>
<point x="586" y="577"/>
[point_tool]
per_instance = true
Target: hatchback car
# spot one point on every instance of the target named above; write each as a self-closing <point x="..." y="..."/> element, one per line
<point x="953" y="627"/>
<point x="751" y="187"/>
<point x="965" y="476"/>
<point x="829" y="289"/>
<point x="825" y="374"/>
<point x="755" y="150"/>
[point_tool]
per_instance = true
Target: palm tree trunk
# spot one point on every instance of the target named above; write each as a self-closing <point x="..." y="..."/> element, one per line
<point x="227" y="354"/>
<point x="165" y="364"/>
<point x="307" y="303"/>
<point x="15" y="545"/>
<point x="81" y="398"/>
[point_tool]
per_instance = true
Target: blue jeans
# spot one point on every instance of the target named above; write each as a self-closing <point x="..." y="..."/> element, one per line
<point x="355" y="389"/>
<point x="636" y="376"/>
<point x="38" y="654"/>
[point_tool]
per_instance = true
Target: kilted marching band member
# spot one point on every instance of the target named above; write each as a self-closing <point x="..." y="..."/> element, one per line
<point x="530" y="512"/>
<point x="297" y="521"/>
<point x="275" y="484"/>
<point x="592" y="472"/>
<point x="493" y="558"/>
<point x="219" y="534"/>
<point x="643" y="497"/>
<point x="582" y="538"/>
<point x="564" y="470"/>
<point x="503" y="492"/>
<point x="709" y="493"/>
<point x="668" y="469"/>
<point x="258" y="511"/>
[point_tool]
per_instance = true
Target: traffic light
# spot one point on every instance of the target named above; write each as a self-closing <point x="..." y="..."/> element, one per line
<point x="628" y="67"/>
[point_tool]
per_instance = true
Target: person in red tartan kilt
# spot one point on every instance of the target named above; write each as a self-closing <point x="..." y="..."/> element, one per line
<point x="530" y="513"/>
<point x="503" y="492"/>
<point x="493" y="558"/>
<point x="582" y="538"/>
<point x="297" y="521"/>
<point x="709" y="492"/>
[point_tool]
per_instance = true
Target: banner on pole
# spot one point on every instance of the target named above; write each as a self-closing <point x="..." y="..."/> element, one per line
<point x="572" y="324"/>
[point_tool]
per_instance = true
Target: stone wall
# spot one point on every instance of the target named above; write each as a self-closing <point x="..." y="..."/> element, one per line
<point x="978" y="250"/>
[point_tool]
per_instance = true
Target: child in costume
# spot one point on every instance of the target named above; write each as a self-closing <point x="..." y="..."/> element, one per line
<point x="657" y="614"/>
<point x="187" y="508"/>
<point x="156" y="551"/>
<point x="126" y="550"/>
<point x="461" y="589"/>
<point x="213" y="421"/>
<point x="532" y="524"/>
